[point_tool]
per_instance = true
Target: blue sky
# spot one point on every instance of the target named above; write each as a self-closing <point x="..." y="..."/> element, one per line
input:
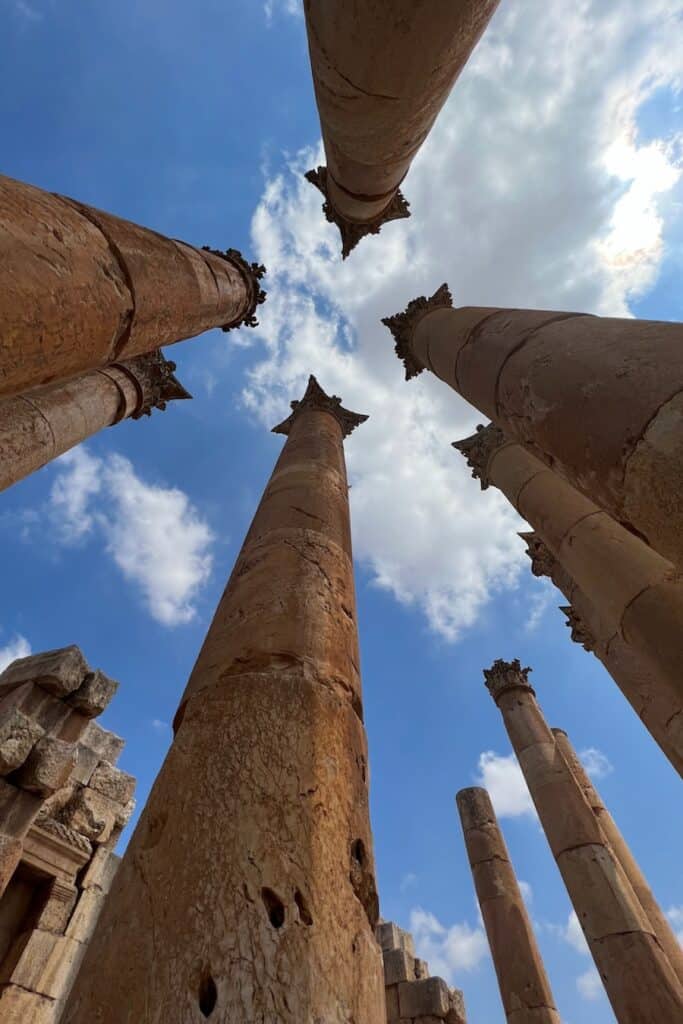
<point x="552" y="179"/>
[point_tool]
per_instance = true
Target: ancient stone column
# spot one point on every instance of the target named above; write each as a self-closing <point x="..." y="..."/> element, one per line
<point x="652" y="698"/>
<point x="637" y="593"/>
<point x="524" y="987"/>
<point x="39" y="425"/>
<point x="598" y="399"/>
<point x="382" y="70"/>
<point x="247" y="892"/>
<point x="662" y="929"/>
<point x="80" y="288"/>
<point x="638" y="978"/>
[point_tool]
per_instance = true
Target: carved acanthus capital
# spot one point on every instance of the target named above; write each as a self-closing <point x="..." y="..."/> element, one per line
<point x="580" y="632"/>
<point x="315" y="398"/>
<point x="504" y="676"/>
<point x="352" y="231"/>
<point x="478" y="449"/>
<point x="402" y="326"/>
<point x="155" y="383"/>
<point x="252" y="273"/>
<point x="543" y="561"/>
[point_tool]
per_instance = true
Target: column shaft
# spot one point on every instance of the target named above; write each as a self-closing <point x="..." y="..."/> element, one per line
<point x="662" y="929"/>
<point x="80" y="288"/>
<point x="524" y="986"/>
<point x="247" y="892"/>
<point x="378" y="93"/>
<point x="539" y="373"/>
<point x="38" y="426"/>
<point x="640" y="982"/>
<point x="652" y="698"/>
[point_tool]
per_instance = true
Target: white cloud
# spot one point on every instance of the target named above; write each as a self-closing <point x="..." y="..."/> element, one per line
<point x="271" y="7"/>
<point x="572" y="933"/>
<point x="532" y="189"/>
<point x="539" y="601"/>
<point x="447" y="950"/>
<point x="154" y="534"/>
<point x="160" y="726"/>
<point x="408" y="881"/>
<point x="597" y="764"/>
<point x="18" y="647"/>
<point x="503" y="779"/>
<point x="675" y="915"/>
<point x="526" y="891"/>
<point x="589" y="985"/>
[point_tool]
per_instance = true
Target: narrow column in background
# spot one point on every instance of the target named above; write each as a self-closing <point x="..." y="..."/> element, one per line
<point x="80" y="288"/>
<point x="598" y="399"/>
<point x="524" y="987"/>
<point x="247" y="892"/>
<point x="665" y="936"/>
<point x="382" y="70"/>
<point x="638" y="978"/>
<point x="654" y="701"/>
<point x="38" y="426"/>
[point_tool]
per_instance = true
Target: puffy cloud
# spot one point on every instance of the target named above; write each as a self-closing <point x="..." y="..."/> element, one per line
<point x="533" y="189"/>
<point x="18" y="647"/>
<point x="597" y="764"/>
<point x="447" y="950"/>
<point x="153" y="534"/>
<point x="503" y="779"/>
<point x="573" y="934"/>
<point x="675" y="915"/>
<point x="589" y="985"/>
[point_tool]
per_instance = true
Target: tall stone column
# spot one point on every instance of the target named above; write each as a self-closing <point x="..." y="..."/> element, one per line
<point x="638" y="978"/>
<point x="524" y="987"/>
<point x="538" y="374"/>
<point x="382" y="70"/>
<point x="657" y="705"/>
<point x="636" y="592"/>
<point x="247" y="892"/>
<point x="80" y="288"/>
<point x="38" y="426"/>
<point x="662" y="929"/>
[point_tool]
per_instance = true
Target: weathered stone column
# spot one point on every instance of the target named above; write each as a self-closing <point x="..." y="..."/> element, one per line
<point x="247" y="892"/>
<point x="38" y="426"/>
<point x="662" y="929"/>
<point x="636" y="592"/>
<point x="599" y="400"/>
<point x="638" y="978"/>
<point x="524" y="987"/>
<point x="652" y="698"/>
<point x="382" y="70"/>
<point x="80" y="288"/>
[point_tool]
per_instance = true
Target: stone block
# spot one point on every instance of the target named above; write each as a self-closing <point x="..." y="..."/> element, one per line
<point x="92" y="814"/>
<point x="393" y="1014"/>
<point x="84" y="918"/>
<point x="10" y="855"/>
<point x="44" y="965"/>
<point x="87" y="761"/>
<point x="20" y="1007"/>
<point x="398" y="966"/>
<point x="60" y="672"/>
<point x="48" y="766"/>
<point x="56" y="912"/>
<point x="390" y="936"/>
<point x="94" y="694"/>
<point x="456" y="1007"/>
<point x="114" y="783"/>
<point x="101" y="870"/>
<point x="18" y="736"/>
<point x="428" y="997"/>
<point x="106" y="744"/>
<point x="123" y="816"/>
<point x="421" y="968"/>
<point x="18" y="809"/>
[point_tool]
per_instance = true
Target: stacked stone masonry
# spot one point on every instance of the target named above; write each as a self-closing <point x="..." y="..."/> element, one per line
<point x="413" y="997"/>
<point x="63" y="804"/>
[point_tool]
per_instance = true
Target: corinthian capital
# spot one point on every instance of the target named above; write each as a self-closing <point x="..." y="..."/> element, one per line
<point x="543" y="560"/>
<point x="580" y="633"/>
<point x="478" y="449"/>
<point x="315" y="398"/>
<point x="402" y="326"/>
<point x="506" y="675"/>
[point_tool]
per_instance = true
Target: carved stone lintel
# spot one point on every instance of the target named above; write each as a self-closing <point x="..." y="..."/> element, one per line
<point x="402" y="326"/>
<point x="543" y="561"/>
<point x="478" y="449"/>
<point x="506" y="675"/>
<point x="580" y="632"/>
<point x="315" y="398"/>
<point x="156" y="385"/>
<point x="352" y="231"/>
<point x="252" y="274"/>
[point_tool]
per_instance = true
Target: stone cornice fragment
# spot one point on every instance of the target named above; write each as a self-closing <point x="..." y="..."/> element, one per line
<point x="504" y="676"/>
<point x="352" y="231"/>
<point x="580" y="633"/>
<point x="402" y="326"/>
<point x="316" y="399"/>
<point x="252" y="273"/>
<point x="542" y="559"/>
<point x="478" y="449"/>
